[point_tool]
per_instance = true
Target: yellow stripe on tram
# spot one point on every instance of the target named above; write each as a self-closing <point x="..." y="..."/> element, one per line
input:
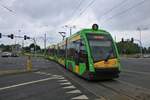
<point x="111" y="63"/>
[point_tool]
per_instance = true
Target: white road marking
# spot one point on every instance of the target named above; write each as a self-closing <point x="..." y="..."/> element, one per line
<point x="67" y="83"/>
<point x="57" y="75"/>
<point x="37" y="72"/>
<point x="74" y="91"/>
<point x="48" y="74"/>
<point x="62" y="80"/>
<point x="69" y="87"/>
<point x="43" y="73"/>
<point x="81" y="97"/>
<point x="27" y="83"/>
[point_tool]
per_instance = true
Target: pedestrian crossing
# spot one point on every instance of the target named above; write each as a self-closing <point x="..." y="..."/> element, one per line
<point x="68" y="87"/>
<point x="72" y="89"/>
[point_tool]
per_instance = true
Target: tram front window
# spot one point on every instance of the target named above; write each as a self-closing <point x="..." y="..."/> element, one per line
<point x="101" y="47"/>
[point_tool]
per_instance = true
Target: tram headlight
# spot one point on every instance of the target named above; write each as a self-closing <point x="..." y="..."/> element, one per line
<point x="95" y="27"/>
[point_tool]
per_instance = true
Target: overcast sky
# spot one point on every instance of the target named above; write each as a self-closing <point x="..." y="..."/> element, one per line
<point x="36" y="17"/>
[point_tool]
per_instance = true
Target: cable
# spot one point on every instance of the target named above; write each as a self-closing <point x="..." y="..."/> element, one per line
<point x="12" y="12"/>
<point x="114" y="7"/>
<point x="87" y="7"/>
<point x="82" y="11"/>
<point x="79" y="5"/>
<point x="77" y="8"/>
<point x="126" y="10"/>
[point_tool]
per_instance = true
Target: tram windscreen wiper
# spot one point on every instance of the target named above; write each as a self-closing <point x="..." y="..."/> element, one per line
<point x="108" y="55"/>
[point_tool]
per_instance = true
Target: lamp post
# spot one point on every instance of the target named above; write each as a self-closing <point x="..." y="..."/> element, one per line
<point x="70" y="28"/>
<point x="44" y="38"/>
<point x="63" y="34"/>
<point x="140" y="31"/>
<point x="45" y="41"/>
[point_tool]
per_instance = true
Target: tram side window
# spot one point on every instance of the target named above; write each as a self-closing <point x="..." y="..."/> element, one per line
<point x="77" y="52"/>
<point x="61" y="51"/>
<point x="82" y="53"/>
<point x="71" y="50"/>
<point x="58" y="51"/>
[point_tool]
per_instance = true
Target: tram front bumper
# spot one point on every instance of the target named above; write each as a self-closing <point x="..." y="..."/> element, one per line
<point x="105" y="73"/>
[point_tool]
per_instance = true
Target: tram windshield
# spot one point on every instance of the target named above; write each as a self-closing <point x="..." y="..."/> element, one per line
<point x="101" y="47"/>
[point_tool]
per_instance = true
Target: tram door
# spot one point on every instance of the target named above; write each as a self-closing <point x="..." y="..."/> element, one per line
<point x="82" y="54"/>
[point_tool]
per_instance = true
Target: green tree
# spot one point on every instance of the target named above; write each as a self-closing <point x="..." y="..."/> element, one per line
<point x="33" y="46"/>
<point x="6" y="48"/>
<point x="127" y="47"/>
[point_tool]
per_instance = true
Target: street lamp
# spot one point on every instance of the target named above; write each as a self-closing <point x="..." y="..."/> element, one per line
<point x="140" y="30"/>
<point x="63" y="34"/>
<point x="70" y="28"/>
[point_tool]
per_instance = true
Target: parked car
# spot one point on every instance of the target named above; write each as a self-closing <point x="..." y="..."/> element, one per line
<point x="146" y="56"/>
<point x="6" y="54"/>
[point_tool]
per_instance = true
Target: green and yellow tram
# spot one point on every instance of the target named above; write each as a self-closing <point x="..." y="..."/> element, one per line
<point x="90" y="53"/>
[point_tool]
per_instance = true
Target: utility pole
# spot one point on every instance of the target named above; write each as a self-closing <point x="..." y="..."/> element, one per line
<point x="140" y="45"/>
<point x="70" y="31"/>
<point x="34" y="39"/>
<point x="70" y="28"/>
<point x="22" y="45"/>
<point x="34" y="46"/>
<point x="45" y="44"/>
<point x="139" y="29"/>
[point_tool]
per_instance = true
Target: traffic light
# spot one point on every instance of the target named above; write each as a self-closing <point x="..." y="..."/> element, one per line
<point x="25" y="37"/>
<point x="11" y="36"/>
<point x="132" y="40"/>
<point x="0" y="35"/>
<point x="122" y="40"/>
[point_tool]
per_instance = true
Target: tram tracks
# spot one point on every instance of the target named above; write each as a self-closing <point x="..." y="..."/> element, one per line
<point x="132" y="91"/>
<point x="137" y="72"/>
<point x="110" y="90"/>
<point x="100" y="91"/>
<point x="115" y="90"/>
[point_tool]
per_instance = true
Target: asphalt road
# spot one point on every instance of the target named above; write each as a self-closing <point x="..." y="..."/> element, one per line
<point x="10" y="63"/>
<point x="136" y="64"/>
<point x="47" y="84"/>
<point x="136" y="71"/>
<point x="53" y="82"/>
<point x="7" y="63"/>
